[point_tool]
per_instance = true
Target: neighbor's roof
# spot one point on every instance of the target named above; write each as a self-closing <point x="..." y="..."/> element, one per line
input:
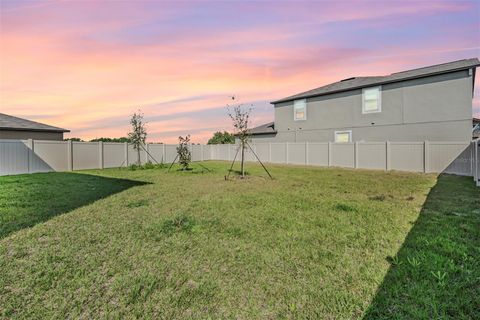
<point x="476" y="128"/>
<point x="476" y="132"/>
<point x="18" y="124"/>
<point x="361" y="82"/>
<point x="263" y="129"/>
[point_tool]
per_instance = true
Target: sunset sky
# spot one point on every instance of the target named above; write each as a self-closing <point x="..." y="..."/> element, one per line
<point x="88" y="65"/>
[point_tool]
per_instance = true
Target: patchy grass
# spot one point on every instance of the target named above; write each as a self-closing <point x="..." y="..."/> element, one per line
<point x="313" y="243"/>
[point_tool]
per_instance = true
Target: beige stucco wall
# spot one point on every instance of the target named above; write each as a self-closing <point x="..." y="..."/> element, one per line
<point x="23" y="135"/>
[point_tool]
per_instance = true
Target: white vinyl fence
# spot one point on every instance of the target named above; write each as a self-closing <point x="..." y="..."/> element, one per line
<point x="462" y="158"/>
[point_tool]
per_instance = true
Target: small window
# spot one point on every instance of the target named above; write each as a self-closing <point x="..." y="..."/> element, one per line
<point x="372" y="100"/>
<point x="300" y="109"/>
<point x="343" y="136"/>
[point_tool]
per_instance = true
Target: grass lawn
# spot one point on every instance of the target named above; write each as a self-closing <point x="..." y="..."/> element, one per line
<point x="316" y="243"/>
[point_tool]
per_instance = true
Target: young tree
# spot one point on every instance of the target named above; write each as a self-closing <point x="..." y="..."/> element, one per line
<point x="138" y="134"/>
<point x="184" y="154"/>
<point x="240" y="117"/>
<point x="221" y="138"/>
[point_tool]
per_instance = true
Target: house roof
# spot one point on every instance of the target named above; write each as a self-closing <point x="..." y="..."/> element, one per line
<point x="476" y="128"/>
<point x="361" y="82"/>
<point x="8" y="122"/>
<point x="263" y="129"/>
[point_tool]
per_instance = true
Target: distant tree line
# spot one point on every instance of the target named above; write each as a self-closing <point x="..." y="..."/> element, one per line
<point x="121" y="139"/>
<point x="222" y="138"/>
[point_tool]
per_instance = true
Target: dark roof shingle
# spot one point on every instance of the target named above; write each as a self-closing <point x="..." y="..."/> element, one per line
<point x="263" y="129"/>
<point x="361" y="82"/>
<point x="8" y="122"/>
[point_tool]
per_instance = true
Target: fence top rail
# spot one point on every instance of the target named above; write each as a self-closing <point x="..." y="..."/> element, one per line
<point x="343" y="143"/>
<point x="449" y="142"/>
<point x="49" y="142"/>
<point x="114" y="143"/>
<point x="419" y="143"/>
<point x="13" y="141"/>
<point x="86" y="142"/>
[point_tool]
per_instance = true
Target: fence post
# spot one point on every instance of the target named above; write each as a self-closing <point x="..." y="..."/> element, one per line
<point x="306" y="153"/>
<point x="70" y="155"/>
<point x="100" y="153"/>
<point x="126" y="153"/>
<point x="269" y="152"/>
<point x="30" y="153"/>
<point x="476" y="158"/>
<point x="286" y="152"/>
<point x="201" y="152"/>
<point x="146" y="152"/>
<point x="426" y="157"/>
<point x="329" y="153"/>
<point x="387" y="155"/>
<point x="355" y="155"/>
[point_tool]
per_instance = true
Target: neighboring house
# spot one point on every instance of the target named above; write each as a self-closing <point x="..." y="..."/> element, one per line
<point x="431" y="103"/>
<point x="476" y="128"/>
<point x="18" y="128"/>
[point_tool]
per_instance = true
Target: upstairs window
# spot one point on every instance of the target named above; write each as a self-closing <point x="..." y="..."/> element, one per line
<point x="300" y="109"/>
<point x="343" y="136"/>
<point x="372" y="100"/>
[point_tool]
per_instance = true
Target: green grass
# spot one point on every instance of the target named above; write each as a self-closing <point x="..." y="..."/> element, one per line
<point x="317" y="243"/>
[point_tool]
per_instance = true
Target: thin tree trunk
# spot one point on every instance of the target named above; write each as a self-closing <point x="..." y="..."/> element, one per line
<point x="243" y="159"/>
<point x="138" y="155"/>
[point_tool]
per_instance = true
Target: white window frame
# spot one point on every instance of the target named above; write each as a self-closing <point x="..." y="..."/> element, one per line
<point x="304" y="111"/>
<point x="379" y="109"/>
<point x="343" y="131"/>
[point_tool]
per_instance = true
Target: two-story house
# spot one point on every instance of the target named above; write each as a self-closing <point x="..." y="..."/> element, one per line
<point x="431" y="103"/>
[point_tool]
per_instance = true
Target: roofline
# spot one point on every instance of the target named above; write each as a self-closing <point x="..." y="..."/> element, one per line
<point x="375" y="84"/>
<point x="35" y="130"/>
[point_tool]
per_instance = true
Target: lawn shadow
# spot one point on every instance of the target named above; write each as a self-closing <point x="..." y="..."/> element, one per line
<point x="435" y="273"/>
<point x="28" y="199"/>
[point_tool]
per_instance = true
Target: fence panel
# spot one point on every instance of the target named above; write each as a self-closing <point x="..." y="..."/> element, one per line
<point x="448" y="157"/>
<point x="278" y="152"/>
<point x="343" y="155"/>
<point x="196" y="152"/>
<point x="86" y="155"/>
<point x="372" y="155"/>
<point x="263" y="151"/>
<point x="50" y="156"/>
<point x="156" y="153"/>
<point x="407" y="156"/>
<point x="14" y="155"/>
<point x="114" y="155"/>
<point x="170" y="153"/>
<point x="296" y="153"/>
<point x="317" y="153"/>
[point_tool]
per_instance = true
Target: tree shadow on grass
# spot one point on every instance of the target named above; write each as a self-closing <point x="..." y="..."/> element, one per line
<point x="436" y="273"/>
<point x="26" y="200"/>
